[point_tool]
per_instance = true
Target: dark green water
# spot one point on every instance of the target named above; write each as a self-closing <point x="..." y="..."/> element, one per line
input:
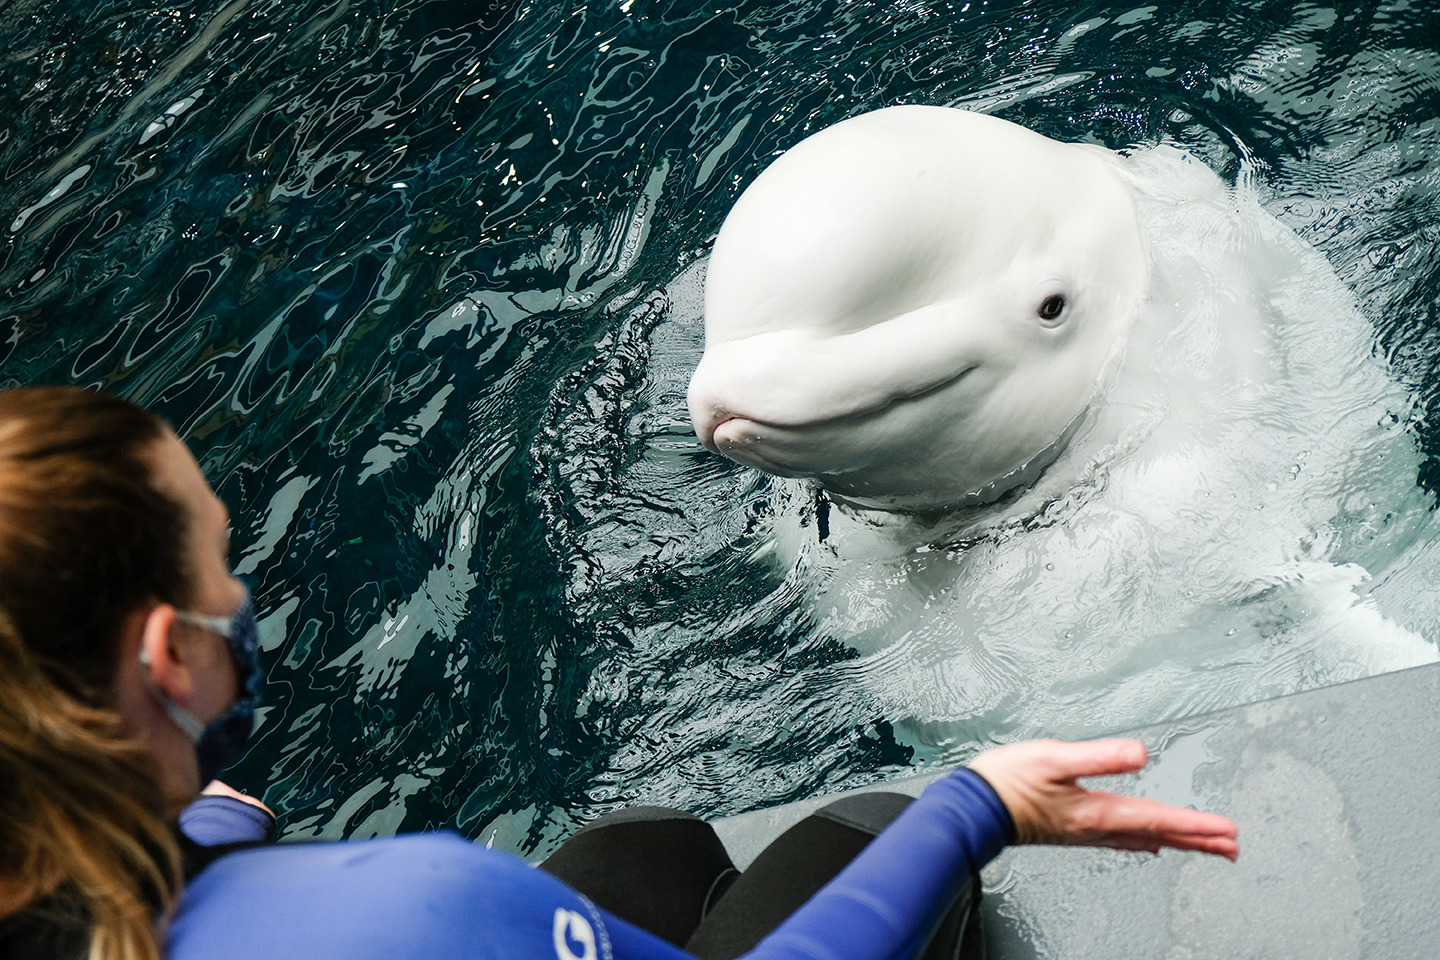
<point x="393" y="271"/>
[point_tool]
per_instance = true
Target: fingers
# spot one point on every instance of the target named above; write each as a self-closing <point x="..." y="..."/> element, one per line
<point x="1136" y="823"/>
<point x="1096" y="758"/>
<point x="1036" y="781"/>
<point x="1220" y="847"/>
<point x="218" y="788"/>
<point x="1058" y="761"/>
<point x="1108" y="813"/>
<point x="1226" y="847"/>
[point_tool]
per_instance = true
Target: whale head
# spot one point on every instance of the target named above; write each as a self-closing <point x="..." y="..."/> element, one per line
<point x="912" y="306"/>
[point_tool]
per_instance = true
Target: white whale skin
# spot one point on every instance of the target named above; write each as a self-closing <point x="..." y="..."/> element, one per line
<point x="876" y="305"/>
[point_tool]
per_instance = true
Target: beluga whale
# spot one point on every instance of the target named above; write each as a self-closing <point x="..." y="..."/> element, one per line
<point x="1053" y="430"/>
<point x="914" y="306"/>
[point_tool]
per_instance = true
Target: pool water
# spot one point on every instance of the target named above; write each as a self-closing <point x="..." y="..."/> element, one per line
<point x="416" y="281"/>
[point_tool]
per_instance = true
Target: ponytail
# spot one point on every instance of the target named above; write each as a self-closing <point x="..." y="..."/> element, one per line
<point x="81" y="807"/>
<point x="85" y="540"/>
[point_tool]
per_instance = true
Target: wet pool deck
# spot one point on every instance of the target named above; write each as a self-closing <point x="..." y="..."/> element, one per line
<point x="1337" y="796"/>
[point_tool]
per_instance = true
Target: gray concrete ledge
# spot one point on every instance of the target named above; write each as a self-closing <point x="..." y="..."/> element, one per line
<point x="1337" y="796"/>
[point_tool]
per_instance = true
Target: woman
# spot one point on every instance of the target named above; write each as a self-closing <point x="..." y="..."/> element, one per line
<point x="112" y="559"/>
<point x="127" y="670"/>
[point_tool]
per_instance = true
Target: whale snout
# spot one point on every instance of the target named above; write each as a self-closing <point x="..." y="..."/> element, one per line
<point x="783" y="451"/>
<point x="707" y="412"/>
<point x="753" y="444"/>
<point x="783" y="383"/>
<point x="744" y="440"/>
<point x="824" y="411"/>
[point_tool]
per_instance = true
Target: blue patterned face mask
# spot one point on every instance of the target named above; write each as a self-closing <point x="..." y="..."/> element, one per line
<point x="219" y="742"/>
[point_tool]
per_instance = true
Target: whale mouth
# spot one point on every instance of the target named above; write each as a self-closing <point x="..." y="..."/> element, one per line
<point x="794" y="447"/>
<point x="752" y="443"/>
<point x="748" y="428"/>
<point x="755" y="445"/>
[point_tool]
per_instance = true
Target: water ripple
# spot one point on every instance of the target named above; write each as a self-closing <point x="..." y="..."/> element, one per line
<point x="396" y="273"/>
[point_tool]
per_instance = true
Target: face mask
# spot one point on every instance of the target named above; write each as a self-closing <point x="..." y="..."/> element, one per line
<point x="218" y="743"/>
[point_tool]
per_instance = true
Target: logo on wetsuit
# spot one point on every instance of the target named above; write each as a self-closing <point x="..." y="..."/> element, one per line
<point x="569" y="926"/>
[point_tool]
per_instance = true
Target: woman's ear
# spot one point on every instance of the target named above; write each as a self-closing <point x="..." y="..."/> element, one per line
<point x="163" y="657"/>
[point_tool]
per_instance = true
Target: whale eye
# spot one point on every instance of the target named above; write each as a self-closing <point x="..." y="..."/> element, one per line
<point x="1051" y="308"/>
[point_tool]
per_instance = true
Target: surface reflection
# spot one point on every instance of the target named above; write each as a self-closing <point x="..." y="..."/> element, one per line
<point x="409" y="278"/>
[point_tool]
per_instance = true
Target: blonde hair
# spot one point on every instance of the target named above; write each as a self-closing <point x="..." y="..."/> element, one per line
<point x="81" y="806"/>
<point x="85" y="540"/>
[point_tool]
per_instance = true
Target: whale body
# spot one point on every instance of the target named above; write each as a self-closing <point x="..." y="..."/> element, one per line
<point x="1232" y="515"/>
<point x="913" y="306"/>
<point x="1203" y="469"/>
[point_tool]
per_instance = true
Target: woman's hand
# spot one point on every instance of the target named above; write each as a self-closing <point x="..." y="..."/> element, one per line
<point x="1036" y="782"/>
<point x="217" y="788"/>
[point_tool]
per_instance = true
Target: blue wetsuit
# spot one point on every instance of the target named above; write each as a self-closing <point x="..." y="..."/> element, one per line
<point x="439" y="897"/>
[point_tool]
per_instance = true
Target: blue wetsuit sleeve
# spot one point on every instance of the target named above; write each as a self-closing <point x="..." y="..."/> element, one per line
<point x="214" y="820"/>
<point x="889" y="899"/>
<point x="439" y="897"/>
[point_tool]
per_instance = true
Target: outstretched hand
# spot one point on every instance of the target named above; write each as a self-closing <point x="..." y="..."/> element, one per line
<point x="1036" y="782"/>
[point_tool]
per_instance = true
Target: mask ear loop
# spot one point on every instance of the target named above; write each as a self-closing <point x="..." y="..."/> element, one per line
<point x="220" y="625"/>
<point x="188" y="723"/>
